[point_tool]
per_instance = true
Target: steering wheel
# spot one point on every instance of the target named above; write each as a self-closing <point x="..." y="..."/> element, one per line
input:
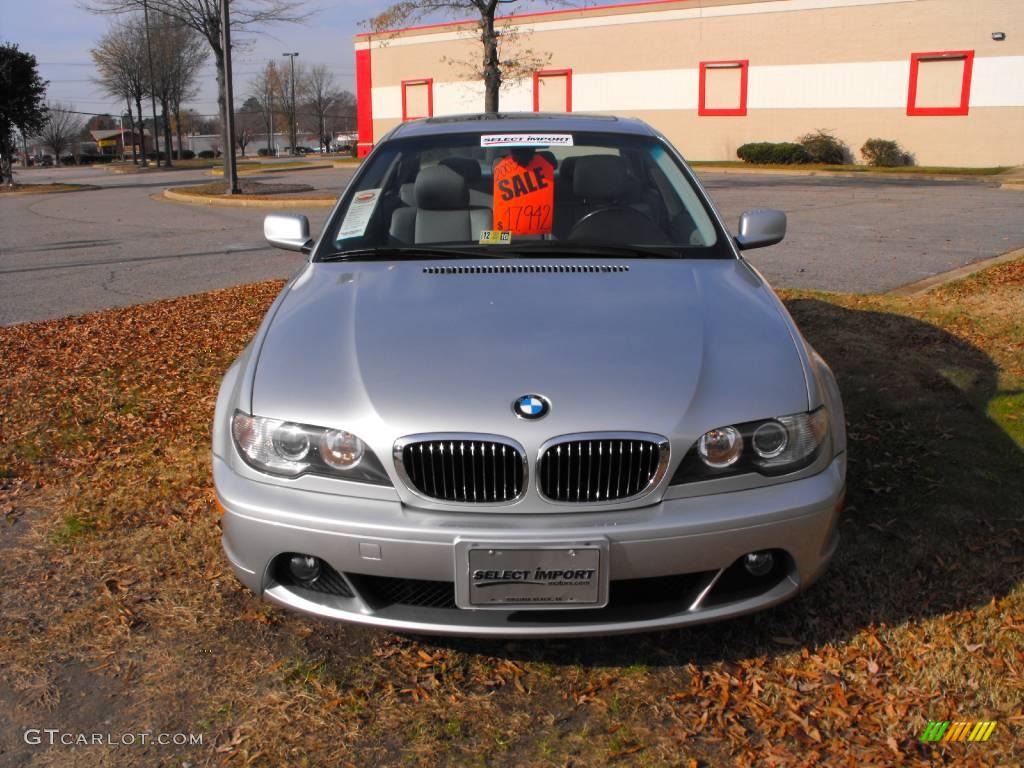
<point x="619" y="225"/>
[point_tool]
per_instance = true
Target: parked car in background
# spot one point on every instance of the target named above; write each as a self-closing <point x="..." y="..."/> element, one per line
<point x="527" y="385"/>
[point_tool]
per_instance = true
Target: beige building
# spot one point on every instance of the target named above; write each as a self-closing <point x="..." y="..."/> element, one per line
<point x="944" y="78"/>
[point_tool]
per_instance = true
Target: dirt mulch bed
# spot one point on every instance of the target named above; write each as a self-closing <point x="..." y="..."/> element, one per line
<point x="119" y="613"/>
<point x="254" y="189"/>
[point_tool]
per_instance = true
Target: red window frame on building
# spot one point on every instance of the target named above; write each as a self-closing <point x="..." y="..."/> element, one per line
<point x="965" y="85"/>
<point x="427" y="81"/>
<point x="538" y="74"/>
<point x="741" y="111"/>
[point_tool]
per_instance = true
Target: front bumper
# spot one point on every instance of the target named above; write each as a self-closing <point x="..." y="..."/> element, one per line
<point x="682" y="549"/>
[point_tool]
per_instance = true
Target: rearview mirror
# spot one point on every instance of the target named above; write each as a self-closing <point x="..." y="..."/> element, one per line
<point x="760" y="228"/>
<point x="288" y="231"/>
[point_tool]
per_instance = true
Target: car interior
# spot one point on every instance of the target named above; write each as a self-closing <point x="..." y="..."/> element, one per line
<point x="600" y="194"/>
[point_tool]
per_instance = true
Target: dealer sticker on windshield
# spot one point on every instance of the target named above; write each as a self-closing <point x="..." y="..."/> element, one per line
<point x="495" y="237"/>
<point x="526" y="140"/>
<point x="532" y="577"/>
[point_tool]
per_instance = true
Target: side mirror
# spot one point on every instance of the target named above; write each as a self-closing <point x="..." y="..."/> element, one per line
<point x="760" y="228"/>
<point x="288" y="231"/>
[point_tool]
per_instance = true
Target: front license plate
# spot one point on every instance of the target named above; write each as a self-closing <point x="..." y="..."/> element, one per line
<point x="532" y="577"/>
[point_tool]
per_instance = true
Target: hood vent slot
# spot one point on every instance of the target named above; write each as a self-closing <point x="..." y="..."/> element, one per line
<point x="520" y="269"/>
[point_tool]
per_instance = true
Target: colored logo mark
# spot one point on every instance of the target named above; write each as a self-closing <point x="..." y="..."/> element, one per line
<point x="530" y="406"/>
<point x="938" y="730"/>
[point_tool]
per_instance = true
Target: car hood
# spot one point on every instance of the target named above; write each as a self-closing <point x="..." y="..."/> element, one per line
<point x="386" y="349"/>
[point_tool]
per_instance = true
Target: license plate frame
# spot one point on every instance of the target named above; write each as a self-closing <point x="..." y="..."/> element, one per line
<point x="531" y="575"/>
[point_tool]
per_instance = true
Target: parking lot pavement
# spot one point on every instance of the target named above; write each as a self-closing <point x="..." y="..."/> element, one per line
<point x="64" y="254"/>
<point x="70" y="253"/>
<point x="867" y="235"/>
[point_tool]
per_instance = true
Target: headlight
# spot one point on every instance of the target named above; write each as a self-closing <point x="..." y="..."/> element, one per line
<point x="720" y="448"/>
<point x="289" y="449"/>
<point x="769" y="447"/>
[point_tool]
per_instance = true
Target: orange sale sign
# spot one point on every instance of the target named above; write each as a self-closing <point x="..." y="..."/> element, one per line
<point x="524" y="196"/>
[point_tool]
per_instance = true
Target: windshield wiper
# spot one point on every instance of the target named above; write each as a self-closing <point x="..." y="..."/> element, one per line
<point x="408" y="252"/>
<point x="582" y="248"/>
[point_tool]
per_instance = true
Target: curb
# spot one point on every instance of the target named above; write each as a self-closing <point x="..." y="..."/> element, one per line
<point x="270" y="169"/>
<point x="923" y="286"/>
<point x="247" y="202"/>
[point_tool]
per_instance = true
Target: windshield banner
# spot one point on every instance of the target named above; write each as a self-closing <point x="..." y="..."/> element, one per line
<point x="526" y="140"/>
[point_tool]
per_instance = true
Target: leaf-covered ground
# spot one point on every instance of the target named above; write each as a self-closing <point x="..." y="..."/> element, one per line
<point x="118" y="613"/>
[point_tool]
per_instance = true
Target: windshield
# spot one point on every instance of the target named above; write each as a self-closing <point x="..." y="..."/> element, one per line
<point x="497" y="193"/>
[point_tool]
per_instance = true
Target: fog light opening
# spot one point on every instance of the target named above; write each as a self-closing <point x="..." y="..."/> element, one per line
<point x="305" y="569"/>
<point x="759" y="563"/>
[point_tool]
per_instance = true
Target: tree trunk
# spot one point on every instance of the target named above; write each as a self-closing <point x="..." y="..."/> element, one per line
<point x="492" y="67"/>
<point x="177" y="127"/>
<point x="142" y="132"/>
<point x="167" y="131"/>
<point x="227" y="141"/>
<point x="131" y="126"/>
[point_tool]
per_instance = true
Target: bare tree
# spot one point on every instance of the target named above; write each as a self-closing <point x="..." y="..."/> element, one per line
<point x="61" y="129"/>
<point x="262" y="90"/>
<point x="247" y="123"/>
<point x="204" y="17"/>
<point x="121" y="64"/>
<point x="504" y="58"/>
<point x="321" y="93"/>
<point x="178" y="55"/>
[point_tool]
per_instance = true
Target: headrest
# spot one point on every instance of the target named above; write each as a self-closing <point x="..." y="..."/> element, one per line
<point x="548" y="155"/>
<point x="466" y="167"/>
<point x="439" y="188"/>
<point x="599" y="178"/>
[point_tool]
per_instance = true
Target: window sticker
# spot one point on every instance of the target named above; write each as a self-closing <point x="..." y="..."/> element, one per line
<point x="358" y="214"/>
<point x="526" y="140"/>
<point x="524" y="194"/>
<point x="495" y="237"/>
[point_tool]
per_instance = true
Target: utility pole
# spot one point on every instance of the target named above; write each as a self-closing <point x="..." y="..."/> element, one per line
<point x="295" y="130"/>
<point x="152" y="84"/>
<point x="230" y="172"/>
<point x="271" y="144"/>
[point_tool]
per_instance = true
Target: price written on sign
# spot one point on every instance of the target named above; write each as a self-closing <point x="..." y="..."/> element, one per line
<point x="524" y="196"/>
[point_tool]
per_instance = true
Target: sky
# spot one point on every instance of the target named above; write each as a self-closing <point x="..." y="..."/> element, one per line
<point x="60" y="33"/>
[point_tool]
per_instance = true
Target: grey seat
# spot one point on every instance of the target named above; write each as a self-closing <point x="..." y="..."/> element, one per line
<point x="442" y="213"/>
<point x="469" y="169"/>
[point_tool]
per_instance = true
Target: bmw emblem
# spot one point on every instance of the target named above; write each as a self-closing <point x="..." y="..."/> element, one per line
<point x="531" y="407"/>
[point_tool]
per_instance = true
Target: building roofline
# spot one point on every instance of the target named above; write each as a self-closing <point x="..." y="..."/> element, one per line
<point x="582" y="12"/>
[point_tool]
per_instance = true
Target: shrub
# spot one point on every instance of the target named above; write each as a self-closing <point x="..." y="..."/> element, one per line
<point x="823" y="147"/>
<point x="187" y="154"/>
<point x="263" y="152"/>
<point x="206" y="154"/>
<point x="767" y="152"/>
<point x="67" y="159"/>
<point x="884" y="153"/>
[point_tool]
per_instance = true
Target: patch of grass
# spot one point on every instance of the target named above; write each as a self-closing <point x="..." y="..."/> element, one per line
<point x="71" y="528"/>
<point x="924" y="170"/>
<point x="105" y="434"/>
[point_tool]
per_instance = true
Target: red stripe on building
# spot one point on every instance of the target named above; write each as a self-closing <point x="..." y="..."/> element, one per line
<point x="364" y="103"/>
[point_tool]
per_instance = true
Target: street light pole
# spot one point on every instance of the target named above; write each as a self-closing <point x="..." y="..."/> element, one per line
<point x="230" y="170"/>
<point x="295" y="130"/>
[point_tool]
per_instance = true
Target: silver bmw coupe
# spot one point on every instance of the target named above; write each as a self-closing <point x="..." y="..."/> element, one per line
<point x="527" y="385"/>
